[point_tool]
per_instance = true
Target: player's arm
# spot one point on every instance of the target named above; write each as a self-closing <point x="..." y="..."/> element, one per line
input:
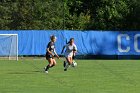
<point x="56" y="54"/>
<point x="47" y="49"/>
<point x="75" y="49"/>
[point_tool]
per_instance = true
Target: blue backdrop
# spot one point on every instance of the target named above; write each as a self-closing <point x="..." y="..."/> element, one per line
<point x="34" y="42"/>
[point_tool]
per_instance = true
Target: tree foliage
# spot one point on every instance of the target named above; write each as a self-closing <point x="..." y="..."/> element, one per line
<point x="70" y="14"/>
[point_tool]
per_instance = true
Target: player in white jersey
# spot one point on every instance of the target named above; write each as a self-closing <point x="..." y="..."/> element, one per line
<point x="70" y="51"/>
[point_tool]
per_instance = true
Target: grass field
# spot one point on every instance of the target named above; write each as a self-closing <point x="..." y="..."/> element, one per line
<point x="90" y="76"/>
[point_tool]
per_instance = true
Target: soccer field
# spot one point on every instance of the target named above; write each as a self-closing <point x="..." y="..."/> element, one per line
<point x="90" y="76"/>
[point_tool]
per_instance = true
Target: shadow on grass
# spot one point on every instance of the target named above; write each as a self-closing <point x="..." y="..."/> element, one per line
<point x="29" y="72"/>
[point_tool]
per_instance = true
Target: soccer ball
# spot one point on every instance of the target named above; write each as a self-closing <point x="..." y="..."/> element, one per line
<point x="74" y="64"/>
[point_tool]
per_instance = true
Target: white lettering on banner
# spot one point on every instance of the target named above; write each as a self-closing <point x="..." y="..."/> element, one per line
<point x="136" y="42"/>
<point x="119" y="43"/>
<point x="127" y="37"/>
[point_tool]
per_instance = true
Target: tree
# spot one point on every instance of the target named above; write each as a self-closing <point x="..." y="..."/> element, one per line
<point x="132" y="20"/>
<point x="5" y="11"/>
<point x="75" y="17"/>
<point x="31" y="14"/>
<point x="70" y="14"/>
<point x="107" y="14"/>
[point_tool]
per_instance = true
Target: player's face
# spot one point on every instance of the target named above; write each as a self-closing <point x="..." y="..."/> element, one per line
<point x="54" y="40"/>
<point x="72" y="41"/>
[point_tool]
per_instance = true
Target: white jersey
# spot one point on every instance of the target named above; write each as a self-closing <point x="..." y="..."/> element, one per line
<point x="69" y="50"/>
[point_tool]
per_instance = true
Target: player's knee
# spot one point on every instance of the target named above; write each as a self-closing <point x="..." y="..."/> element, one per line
<point x="54" y="63"/>
<point x="50" y="64"/>
<point x="70" y="62"/>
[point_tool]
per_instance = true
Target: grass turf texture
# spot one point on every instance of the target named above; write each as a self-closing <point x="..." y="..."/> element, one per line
<point x="91" y="76"/>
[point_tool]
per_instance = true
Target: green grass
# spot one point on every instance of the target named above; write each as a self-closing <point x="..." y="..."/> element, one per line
<point x="91" y="76"/>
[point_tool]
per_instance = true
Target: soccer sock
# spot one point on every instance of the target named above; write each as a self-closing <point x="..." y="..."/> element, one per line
<point x="64" y="64"/>
<point x="67" y="65"/>
<point x="51" y="66"/>
<point x="71" y="64"/>
<point x="47" y="68"/>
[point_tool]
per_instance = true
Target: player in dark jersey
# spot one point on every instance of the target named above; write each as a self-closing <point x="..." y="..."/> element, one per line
<point x="50" y="53"/>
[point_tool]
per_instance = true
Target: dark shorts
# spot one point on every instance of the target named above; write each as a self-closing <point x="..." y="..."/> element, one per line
<point x="48" y="56"/>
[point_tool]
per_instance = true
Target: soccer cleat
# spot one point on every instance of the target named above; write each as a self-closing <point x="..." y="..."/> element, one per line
<point x="44" y="68"/>
<point x="65" y="69"/>
<point x="46" y="72"/>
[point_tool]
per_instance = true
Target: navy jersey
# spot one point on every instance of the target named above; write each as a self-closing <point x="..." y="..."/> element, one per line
<point x="51" y="47"/>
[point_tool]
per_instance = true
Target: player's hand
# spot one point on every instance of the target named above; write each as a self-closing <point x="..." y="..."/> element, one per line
<point x="52" y="55"/>
<point x="57" y="56"/>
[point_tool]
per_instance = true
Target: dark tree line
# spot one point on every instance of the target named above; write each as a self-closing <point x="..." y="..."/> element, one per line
<point x="70" y="14"/>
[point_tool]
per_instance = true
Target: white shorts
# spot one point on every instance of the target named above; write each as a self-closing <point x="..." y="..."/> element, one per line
<point x="68" y="55"/>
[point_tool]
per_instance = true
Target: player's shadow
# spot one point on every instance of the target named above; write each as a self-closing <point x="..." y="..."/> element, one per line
<point x="29" y="72"/>
<point x="37" y="71"/>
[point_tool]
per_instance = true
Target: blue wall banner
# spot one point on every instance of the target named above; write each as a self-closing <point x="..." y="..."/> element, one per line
<point x="34" y="42"/>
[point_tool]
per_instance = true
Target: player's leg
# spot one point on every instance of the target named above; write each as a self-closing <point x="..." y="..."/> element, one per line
<point x="65" y="62"/>
<point x="69" y="62"/>
<point x="50" y="60"/>
<point x="73" y="56"/>
<point x="54" y="62"/>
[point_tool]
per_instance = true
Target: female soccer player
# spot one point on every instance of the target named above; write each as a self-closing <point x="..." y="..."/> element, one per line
<point x="69" y="53"/>
<point x="50" y="53"/>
